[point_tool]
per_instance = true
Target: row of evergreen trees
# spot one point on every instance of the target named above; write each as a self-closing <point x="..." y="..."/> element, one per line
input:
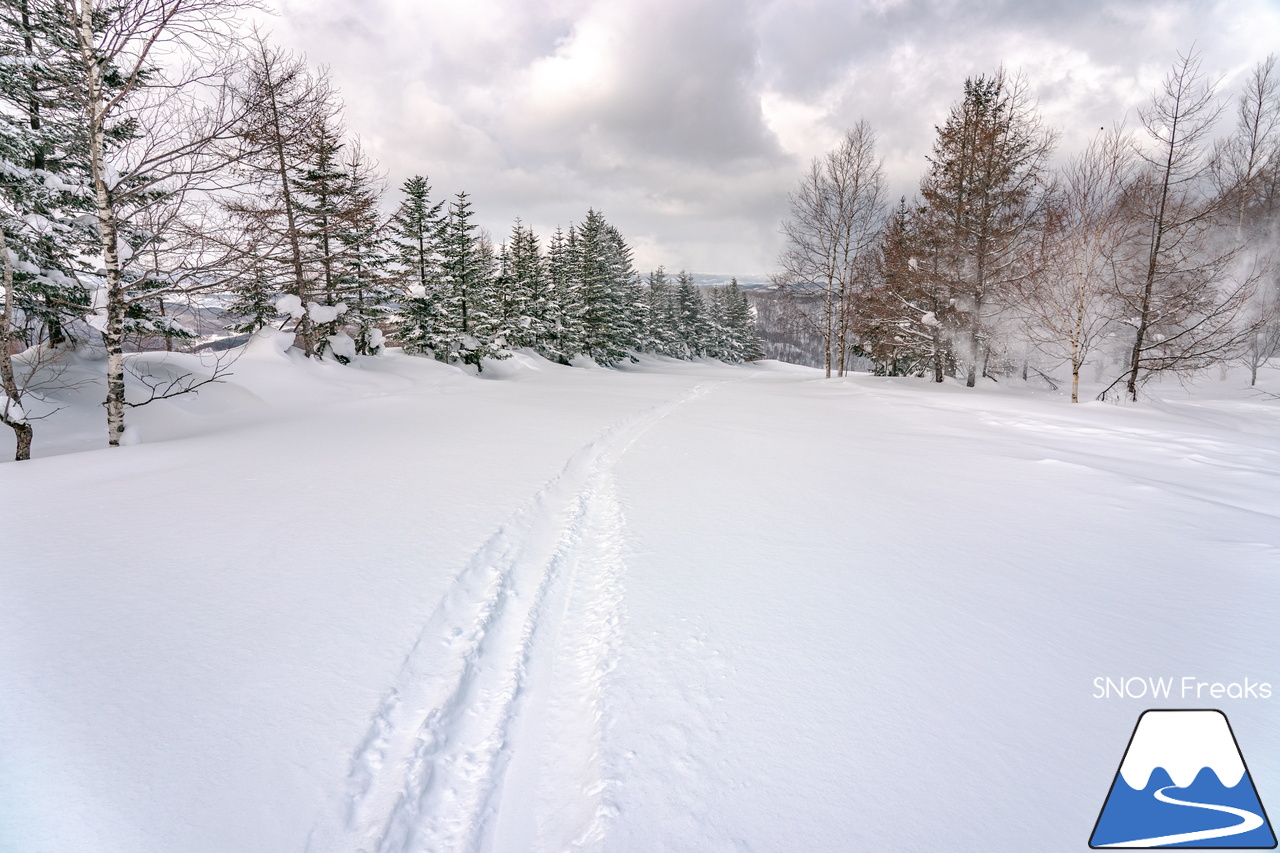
<point x="312" y="246"/>
<point x="433" y="280"/>
<point x="466" y="300"/>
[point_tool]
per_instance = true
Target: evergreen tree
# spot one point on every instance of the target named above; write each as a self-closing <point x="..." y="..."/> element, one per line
<point x="718" y="342"/>
<point x="740" y="322"/>
<point x="984" y="193"/>
<point x="364" y="265"/>
<point x="525" y="295"/>
<point x="416" y="232"/>
<point x="906" y="320"/>
<point x="253" y="303"/>
<point x="690" y="317"/>
<point x="564" y="335"/>
<point x="609" y="292"/>
<point x="466" y="282"/>
<point x="322" y="188"/>
<point x="44" y="192"/>
<point x="661" y="333"/>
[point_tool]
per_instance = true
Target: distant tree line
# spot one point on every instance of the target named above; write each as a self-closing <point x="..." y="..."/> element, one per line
<point x="149" y="153"/>
<point x="1148" y="253"/>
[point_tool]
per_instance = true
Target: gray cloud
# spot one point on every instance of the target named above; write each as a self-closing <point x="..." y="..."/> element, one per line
<point x="687" y="121"/>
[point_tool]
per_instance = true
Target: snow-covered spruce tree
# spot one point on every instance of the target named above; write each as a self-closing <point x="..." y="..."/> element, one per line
<point x="42" y="195"/>
<point x="742" y="339"/>
<point x="466" y="283"/>
<point x="523" y="294"/>
<point x="692" y="330"/>
<point x="322" y="189"/>
<point x="284" y="103"/>
<point x="44" y="189"/>
<point x="661" y="332"/>
<point x="364" y="264"/>
<point x="717" y="343"/>
<point x="633" y="294"/>
<point x="149" y="80"/>
<point x="984" y="190"/>
<point x="564" y="337"/>
<point x="608" y="291"/>
<point x="415" y="232"/>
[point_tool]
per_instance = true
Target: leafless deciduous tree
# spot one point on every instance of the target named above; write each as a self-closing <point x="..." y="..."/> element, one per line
<point x="288" y="109"/>
<point x="836" y="215"/>
<point x="1088" y="231"/>
<point x="1247" y="167"/>
<point x="151" y="81"/>
<point x="1185" y="298"/>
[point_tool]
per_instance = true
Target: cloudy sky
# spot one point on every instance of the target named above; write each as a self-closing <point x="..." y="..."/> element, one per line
<point x="687" y="121"/>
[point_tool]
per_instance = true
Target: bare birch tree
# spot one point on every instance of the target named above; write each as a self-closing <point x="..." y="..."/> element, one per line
<point x="1246" y="166"/>
<point x="1088" y="232"/>
<point x="150" y="78"/>
<point x="831" y="234"/>
<point x="1241" y="161"/>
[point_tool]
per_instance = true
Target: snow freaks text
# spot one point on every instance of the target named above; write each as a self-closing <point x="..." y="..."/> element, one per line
<point x="1186" y="687"/>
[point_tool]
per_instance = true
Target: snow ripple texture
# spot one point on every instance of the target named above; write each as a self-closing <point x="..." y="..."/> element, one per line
<point x="542" y="593"/>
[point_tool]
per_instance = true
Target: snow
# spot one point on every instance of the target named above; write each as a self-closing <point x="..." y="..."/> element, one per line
<point x="97" y="318"/>
<point x="325" y="313"/>
<point x="394" y="606"/>
<point x="124" y="252"/>
<point x="12" y="410"/>
<point x="291" y="305"/>
<point x="342" y="345"/>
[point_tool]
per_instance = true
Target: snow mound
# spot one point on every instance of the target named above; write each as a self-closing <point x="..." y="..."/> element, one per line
<point x="269" y="342"/>
<point x="342" y="346"/>
<point x="291" y="305"/>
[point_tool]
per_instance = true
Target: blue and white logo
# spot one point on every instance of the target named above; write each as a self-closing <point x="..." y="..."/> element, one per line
<point x="1183" y="783"/>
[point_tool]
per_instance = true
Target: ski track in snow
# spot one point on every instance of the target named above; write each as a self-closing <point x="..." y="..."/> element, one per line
<point x="429" y="773"/>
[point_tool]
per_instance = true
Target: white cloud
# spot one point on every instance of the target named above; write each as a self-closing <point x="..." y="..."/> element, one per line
<point x="688" y="122"/>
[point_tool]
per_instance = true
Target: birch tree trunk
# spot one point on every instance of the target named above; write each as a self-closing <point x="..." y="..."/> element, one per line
<point x="108" y="224"/>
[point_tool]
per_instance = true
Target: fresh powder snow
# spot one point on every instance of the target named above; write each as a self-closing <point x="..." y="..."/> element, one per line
<point x="400" y="606"/>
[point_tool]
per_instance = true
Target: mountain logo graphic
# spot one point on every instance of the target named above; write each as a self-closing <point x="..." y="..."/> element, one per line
<point x="1183" y="783"/>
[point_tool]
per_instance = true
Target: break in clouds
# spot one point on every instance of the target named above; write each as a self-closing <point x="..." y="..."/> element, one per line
<point x="688" y="122"/>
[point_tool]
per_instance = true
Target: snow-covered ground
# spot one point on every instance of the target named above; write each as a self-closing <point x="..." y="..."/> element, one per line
<point x="395" y="607"/>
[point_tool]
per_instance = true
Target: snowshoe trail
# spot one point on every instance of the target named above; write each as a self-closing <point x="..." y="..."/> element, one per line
<point x="506" y="679"/>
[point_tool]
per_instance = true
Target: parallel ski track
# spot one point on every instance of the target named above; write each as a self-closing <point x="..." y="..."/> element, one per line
<point x="428" y="774"/>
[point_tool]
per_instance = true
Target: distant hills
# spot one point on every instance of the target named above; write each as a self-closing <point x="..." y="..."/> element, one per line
<point x="746" y="282"/>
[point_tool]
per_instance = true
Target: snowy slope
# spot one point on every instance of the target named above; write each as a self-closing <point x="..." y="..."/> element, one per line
<point x="396" y="607"/>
